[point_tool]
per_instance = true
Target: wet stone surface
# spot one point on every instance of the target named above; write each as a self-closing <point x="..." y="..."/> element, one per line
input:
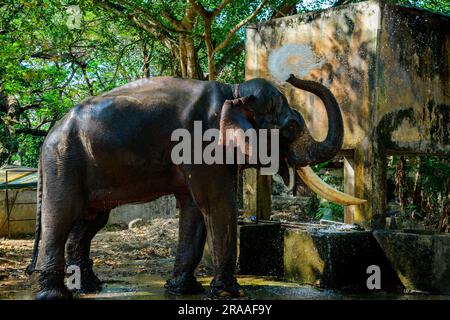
<point x="150" y="287"/>
<point x="421" y="259"/>
<point x="135" y="263"/>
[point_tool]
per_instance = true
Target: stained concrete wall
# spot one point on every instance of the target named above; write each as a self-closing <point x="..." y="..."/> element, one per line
<point x="164" y="207"/>
<point x="412" y="99"/>
<point x="411" y="103"/>
<point x="19" y="211"/>
<point x="335" y="47"/>
<point x="388" y="67"/>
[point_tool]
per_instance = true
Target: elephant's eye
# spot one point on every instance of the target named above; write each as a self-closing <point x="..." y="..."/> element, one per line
<point x="292" y="127"/>
<point x="290" y="130"/>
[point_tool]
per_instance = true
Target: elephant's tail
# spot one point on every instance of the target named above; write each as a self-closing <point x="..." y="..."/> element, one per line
<point x="37" y="237"/>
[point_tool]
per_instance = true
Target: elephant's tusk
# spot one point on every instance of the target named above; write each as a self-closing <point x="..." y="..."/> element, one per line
<point x="291" y="179"/>
<point x="316" y="184"/>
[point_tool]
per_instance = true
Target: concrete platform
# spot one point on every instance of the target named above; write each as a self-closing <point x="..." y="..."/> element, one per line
<point x="421" y="260"/>
<point x="334" y="259"/>
<point x="312" y="254"/>
<point x="260" y="249"/>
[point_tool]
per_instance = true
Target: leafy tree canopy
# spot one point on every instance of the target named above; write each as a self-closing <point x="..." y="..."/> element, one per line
<point x="54" y="54"/>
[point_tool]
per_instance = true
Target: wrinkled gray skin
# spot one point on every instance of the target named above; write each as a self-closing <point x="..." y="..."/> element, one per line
<point x="115" y="149"/>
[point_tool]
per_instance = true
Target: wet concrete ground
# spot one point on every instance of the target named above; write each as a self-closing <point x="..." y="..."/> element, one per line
<point x="151" y="287"/>
<point x="134" y="265"/>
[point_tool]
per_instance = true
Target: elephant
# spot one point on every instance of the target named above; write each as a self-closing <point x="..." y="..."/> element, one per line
<point x="115" y="148"/>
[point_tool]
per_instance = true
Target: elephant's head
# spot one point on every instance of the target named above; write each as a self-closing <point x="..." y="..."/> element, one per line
<point x="263" y="106"/>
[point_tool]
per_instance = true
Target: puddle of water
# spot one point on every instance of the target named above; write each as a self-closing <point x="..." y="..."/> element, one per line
<point x="151" y="287"/>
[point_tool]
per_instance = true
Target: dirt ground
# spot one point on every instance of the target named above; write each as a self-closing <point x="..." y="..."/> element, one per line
<point x="119" y="252"/>
<point x="116" y="253"/>
<point x="148" y="249"/>
<point x="134" y="264"/>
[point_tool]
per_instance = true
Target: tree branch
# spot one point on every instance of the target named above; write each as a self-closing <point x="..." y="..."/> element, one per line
<point x="229" y="55"/>
<point x="200" y="9"/>
<point x="238" y="26"/>
<point x="177" y="25"/>
<point x="286" y="8"/>
<point x="208" y="14"/>
<point x="220" y="7"/>
<point x="155" y="29"/>
<point x="31" y="131"/>
<point x="136" y="8"/>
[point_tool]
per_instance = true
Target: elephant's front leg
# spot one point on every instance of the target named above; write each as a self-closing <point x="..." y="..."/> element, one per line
<point x="221" y="224"/>
<point x="214" y="190"/>
<point x="191" y="243"/>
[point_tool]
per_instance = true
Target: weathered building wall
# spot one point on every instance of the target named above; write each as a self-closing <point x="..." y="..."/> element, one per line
<point x="388" y="67"/>
<point x="164" y="207"/>
<point x="413" y="83"/>
<point x="19" y="212"/>
<point x="412" y="100"/>
<point x="336" y="47"/>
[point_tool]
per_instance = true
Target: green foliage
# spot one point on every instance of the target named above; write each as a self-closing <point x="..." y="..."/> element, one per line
<point x="426" y="187"/>
<point x="48" y="64"/>
<point x="318" y="208"/>
<point x="46" y="68"/>
<point x="323" y="209"/>
<point x="440" y="6"/>
<point x="29" y="147"/>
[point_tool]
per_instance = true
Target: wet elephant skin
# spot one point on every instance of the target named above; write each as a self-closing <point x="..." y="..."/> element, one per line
<point x="116" y="148"/>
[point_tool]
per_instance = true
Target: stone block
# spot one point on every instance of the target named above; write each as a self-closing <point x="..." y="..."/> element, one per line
<point x="334" y="259"/>
<point x="420" y="259"/>
<point x="260" y="249"/>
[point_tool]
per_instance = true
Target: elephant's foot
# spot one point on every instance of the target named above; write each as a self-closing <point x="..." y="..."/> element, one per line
<point x="184" y="284"/>
<point x="225" y="288"/>
<point x="89" y="281"/>
<point x="51" y="286"/>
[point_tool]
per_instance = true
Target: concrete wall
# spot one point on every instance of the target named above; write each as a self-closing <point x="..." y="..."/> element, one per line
<point x="164" y="207"/>
<point x="335" y="47"/>
<point x="20" y="211"/>
<point x="388" y="67"/>
<point x="413" y="82"/>
<point x="411" y="103"/>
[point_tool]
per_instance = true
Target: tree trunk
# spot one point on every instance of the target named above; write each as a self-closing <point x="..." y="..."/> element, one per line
<point x="401" y="183"/>
<point x="209" y="49"/>
<point x="192" y="67"/>
<point x="183" y="55"/>
<point x="188" y="58"/>
<point x="8" y="143"/>
<point x="443" y="225"/>
<point x="418" y="192"/>
<point x="146" y="72"/>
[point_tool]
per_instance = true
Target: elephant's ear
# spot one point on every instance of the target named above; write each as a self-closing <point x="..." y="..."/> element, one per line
<point x="236" y="118"/>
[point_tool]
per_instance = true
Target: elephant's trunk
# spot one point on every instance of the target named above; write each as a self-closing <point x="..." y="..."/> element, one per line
<point x="308" y="151"/>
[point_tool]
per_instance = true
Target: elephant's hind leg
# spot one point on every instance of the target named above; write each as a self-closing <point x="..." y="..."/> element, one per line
<point x="78" y="248"/>
<point x="58" y="216"/>
<point x="191" y="242"/>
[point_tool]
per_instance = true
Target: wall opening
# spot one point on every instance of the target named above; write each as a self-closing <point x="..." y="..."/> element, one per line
<point x="301" y="204"/>
<point x="418" y="192"/>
